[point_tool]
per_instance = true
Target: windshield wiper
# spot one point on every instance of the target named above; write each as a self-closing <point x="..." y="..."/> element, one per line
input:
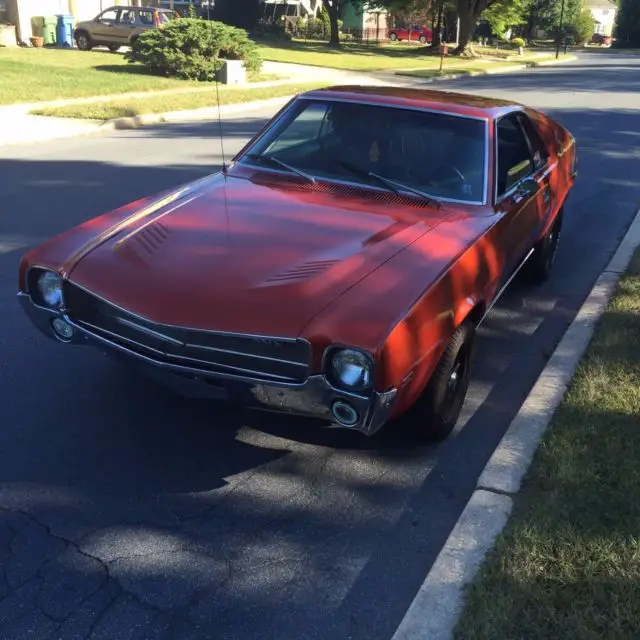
<point x="392" y="185"/>
<point x="284" y="165"/>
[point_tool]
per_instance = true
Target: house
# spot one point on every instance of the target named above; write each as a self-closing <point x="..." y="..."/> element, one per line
<point x="604" y="14"/>
<point x="276" y="9"/>
<point x="370" y="21"/>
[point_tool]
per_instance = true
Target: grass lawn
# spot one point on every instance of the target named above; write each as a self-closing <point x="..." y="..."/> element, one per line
<point x="568" y="563"/>
<point x="32" y="75"/>
<point x="353" y="57"/>
<point x="173" y="102"/>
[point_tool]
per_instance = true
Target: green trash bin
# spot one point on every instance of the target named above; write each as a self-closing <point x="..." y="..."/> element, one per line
<point x="49" y="29"/>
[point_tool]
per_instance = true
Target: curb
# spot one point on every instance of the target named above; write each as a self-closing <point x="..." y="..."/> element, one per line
<point x="434" y="611"/>
<point x="489" y="71"/>
<point x="193" y="115"/>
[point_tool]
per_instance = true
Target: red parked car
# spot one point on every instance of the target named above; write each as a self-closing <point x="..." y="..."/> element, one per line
<point x="338" y="268"/>
<point x="415" y="33"/>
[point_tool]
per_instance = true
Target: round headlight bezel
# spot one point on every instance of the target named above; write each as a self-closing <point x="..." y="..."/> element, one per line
<point x="358" y="358"/>
<point x="47" y="289"/>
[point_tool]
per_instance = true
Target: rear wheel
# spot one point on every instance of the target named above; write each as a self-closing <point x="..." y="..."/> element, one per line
<point x="393" y="37"/>
<point x="83" y="40"/>
<point x="540" y="264"/>
<point x="114" y="47"/>
<point x="423" y="39"/>
<point x="436" y="412"/>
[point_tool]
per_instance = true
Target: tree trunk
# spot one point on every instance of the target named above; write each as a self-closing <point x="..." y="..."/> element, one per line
<point x="468" y="12"/>
<point x="437" y="32"/>
<point x="333" y="9"/>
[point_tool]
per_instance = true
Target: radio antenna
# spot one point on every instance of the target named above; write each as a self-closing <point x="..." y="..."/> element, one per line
<point x="216" y="60"/>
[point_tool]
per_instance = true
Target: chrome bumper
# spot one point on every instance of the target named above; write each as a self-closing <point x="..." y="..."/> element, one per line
<point x="313" y="398"/>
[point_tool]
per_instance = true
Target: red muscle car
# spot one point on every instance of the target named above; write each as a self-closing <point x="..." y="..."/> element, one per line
<point x="337" y="268"/>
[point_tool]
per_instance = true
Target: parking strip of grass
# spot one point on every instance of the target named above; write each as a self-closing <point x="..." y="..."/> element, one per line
<point x="351" y="57"/>
<point x="568" y="563"/>
<point x="38" y="75"/>
<point x="159" y="103"/>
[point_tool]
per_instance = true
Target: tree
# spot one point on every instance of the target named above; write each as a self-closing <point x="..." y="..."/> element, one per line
<point x="582" y="26"/>
<point x="334" y="8"/>
<point x="502" y="15"/>
<point x="628" y="25"/>
<point x="545" y="14"/>
<point x="468" y="12"/>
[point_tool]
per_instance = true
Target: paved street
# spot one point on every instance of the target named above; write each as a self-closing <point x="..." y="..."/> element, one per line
<point x="128" y="513"/>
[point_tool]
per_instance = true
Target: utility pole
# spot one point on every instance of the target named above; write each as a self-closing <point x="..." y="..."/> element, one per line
<point x="560" y="30"/>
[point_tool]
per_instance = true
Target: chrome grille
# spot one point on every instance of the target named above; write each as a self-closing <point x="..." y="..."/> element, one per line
<point x="264" y="358"/>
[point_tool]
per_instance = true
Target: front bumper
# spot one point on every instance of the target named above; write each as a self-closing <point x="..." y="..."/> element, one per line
<point x="314" y="398"/>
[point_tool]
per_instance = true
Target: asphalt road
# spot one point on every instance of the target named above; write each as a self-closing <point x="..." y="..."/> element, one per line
<point x="128" y="513"/>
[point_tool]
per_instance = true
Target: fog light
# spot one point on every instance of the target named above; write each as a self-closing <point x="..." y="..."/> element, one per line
<point x="344" y="413"/>
<point x="62" y="329"/>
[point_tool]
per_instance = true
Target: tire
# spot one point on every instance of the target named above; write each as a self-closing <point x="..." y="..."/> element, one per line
<point x="393" y="37"/>
<point x="83" y="40"/>
<point x="133" y="40"/>
<point x="423" y="39"/>
<point x="435" y="414"/>
<point x="114" y="48"/>
<point x="540" y="264"/>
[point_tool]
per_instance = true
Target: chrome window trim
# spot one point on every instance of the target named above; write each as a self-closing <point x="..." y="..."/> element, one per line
<point x="514" y="187"/>
<point x="484" y="119"/>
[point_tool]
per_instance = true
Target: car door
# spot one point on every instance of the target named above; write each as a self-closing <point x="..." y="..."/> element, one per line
<point x="518" y="192"/>
<point x="102" y="29"/>
<point x="543" y="173"/>
<point x="126" y="26"/>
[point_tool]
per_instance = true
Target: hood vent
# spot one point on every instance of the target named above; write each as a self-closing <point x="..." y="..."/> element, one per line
<point x="386" y="197"/>
<point x="302" y="271"/>
<point x="152" y="236"/>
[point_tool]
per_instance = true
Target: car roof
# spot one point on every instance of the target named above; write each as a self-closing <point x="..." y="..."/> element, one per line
<point x="429" y="99"/>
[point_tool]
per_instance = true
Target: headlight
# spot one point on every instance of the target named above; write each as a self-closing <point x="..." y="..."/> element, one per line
<point x="50" y="289"/>
<point x="351" y="370"/>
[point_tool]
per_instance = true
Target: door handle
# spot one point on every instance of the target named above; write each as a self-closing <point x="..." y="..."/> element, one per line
<point x="519" y="196"/>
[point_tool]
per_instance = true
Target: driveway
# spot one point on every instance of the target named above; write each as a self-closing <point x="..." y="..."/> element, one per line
<point x="128" y="513"/>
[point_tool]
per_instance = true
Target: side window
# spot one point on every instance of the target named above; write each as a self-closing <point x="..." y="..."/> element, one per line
<point x="515" y="160"/>
<point x="145" y="18"/>
<point x="536" y="143"/>
<point x="109" y="16"/>
<point x="307" y="126"/>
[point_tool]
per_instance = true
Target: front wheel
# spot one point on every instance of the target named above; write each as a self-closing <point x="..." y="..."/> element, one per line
<point x="423" y="39"/>
<point x="114" y="48"/>
<point x="393" y="37"/>
<point x="84" y="41"/>
<point x="436" y="412"/>
<point x="541" y="262"/>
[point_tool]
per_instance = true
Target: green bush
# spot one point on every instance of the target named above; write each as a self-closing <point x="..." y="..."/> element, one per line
<point x="193" y="49"/>
<point x="518" y="42"/>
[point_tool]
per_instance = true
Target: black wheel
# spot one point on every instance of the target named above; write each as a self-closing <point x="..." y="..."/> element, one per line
<point x="540" y="264"/>
<point x="435" y="414"/>
<point x="393" y="37"/>
<point x="133" y="40"/>
<point x="423" y="39"/>
<point x="83" y="40"/>
<point x="114" y="47"/>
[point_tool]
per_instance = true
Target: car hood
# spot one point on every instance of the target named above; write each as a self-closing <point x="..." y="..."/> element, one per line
<point x="236" y="255"/>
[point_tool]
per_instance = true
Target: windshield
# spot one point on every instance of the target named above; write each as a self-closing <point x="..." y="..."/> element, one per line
<point x="438" y="154"/>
